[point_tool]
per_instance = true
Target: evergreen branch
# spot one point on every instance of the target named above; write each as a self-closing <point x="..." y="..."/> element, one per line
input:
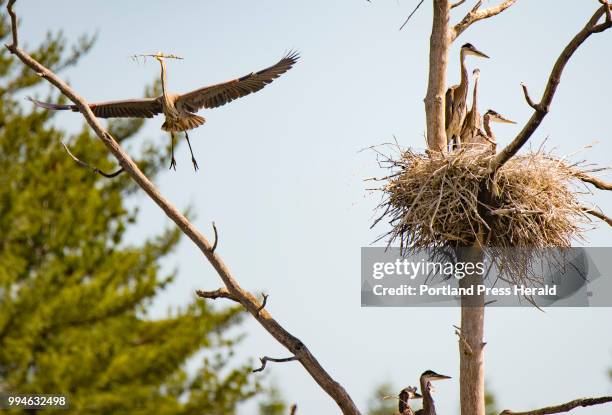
<point x="267" y="359"/>
<point x="289" y="341"/>
<point x="541" y="109"/>
<point x="564" y="407"/>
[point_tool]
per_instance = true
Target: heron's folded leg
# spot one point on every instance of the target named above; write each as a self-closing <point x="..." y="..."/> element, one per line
<point x="173" y="160"/>
<point x="193" y="160"/>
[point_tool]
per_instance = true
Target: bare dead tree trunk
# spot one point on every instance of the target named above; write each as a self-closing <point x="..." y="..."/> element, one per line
<point x="436" y="88"/>
<point x="471" y="338"/>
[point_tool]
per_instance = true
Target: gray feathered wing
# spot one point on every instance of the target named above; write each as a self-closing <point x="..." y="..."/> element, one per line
<point x="214" y="96"/>
<point x="137" y="108"/>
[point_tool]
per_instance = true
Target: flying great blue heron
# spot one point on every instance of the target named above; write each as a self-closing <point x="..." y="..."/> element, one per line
<point x="179" y="109"/>
<point x="426" y="388"/>
<point x="456" y="98"/>
<point x="404" y="397"/>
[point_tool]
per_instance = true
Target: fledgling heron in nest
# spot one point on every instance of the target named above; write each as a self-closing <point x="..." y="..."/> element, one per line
<point x="179" y="109"/>
<point x="426" y="389"/>
<point x="456" y="99"/>
<point x="487" y="134"/>
<point x="404" y="398"/>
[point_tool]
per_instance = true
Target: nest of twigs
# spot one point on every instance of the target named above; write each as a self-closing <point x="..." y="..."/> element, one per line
<point x="439" y="201"/>
<point x="532" y="201"/>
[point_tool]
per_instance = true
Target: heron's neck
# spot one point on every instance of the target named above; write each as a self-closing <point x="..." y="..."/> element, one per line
<point x="475" y="97"/>
<point x="487" y="127"/>
<point x="464" y="74"/>
<point x="428" y="403"/>
<point x="163" y="78"/>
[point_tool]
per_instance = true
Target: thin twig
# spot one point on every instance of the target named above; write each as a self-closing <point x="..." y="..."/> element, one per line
<point x="413" y="12"/>
<point x="214" y="247"/>
<point x="92" y="168"/>
<point x="528" y="98"/>
<point x="264" y="360"/>
<point x="263" y="304"/>
<point x="293" y="408"/>
<point x="564" y="407"/>
<point x="542" y="108"/>
<point x="466" y="346"/>
<point x="250" y="302"/>
<point x="459" y="3"/>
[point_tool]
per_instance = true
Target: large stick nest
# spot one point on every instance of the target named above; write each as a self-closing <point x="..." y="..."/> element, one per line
<point x="533" y="201"/>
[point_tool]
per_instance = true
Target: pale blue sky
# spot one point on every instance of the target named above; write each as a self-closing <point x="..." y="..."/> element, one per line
<point x="282" y="177"/>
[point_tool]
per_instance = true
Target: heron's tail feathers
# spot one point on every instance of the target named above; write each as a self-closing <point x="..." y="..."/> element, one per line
<point x="183" y="124"/>
<point x="50" y="106"/>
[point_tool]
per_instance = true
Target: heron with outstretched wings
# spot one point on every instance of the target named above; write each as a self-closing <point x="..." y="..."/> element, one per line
<point x="179" y="109"/>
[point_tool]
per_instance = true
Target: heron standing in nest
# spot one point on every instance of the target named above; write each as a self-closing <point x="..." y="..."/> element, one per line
<point x="426" y="389"/>
<point x="471" y="126"/>
<point x="456" y="99"/>
<point x="404" y="398"/>
<point x="179" y="109"/>
<point x="487" y="134"/>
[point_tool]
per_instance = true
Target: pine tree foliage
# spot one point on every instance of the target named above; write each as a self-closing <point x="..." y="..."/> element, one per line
<point x="74" y="293"/>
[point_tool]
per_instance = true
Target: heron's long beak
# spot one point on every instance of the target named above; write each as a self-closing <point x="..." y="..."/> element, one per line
<point x="479" y="53"/>
<point x="504" y="120"/>
<point x="437" y="376"/>
<point x="417" y="396"/>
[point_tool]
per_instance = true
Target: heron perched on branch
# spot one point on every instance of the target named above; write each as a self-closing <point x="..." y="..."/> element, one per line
<point x="179" y="109"/>
<point x="426" y="389"/>
<point x="456" y="98"/>
<point x="404" y="398"/>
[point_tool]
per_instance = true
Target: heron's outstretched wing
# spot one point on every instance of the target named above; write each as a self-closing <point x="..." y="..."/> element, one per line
<point x="138" y="108"/>
<point x="220" y="94"/>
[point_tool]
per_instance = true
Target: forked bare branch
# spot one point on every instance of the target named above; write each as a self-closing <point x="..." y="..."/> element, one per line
<point x="542" y="108"/>
<point x="248" y="301"/>
<point x="476" y="14"/>
<point x="564" y="407"/>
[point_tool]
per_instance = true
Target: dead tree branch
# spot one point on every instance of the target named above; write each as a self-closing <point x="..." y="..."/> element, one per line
<point x="565" y="407"/>
<point x="598" y="215"/>
<point x="542" y="108"/>
<point x="248" y="301"/>
<point x="219" y="293"/>
<point x="475" y="15"/>
<point x="264" y="360"/>
<point x="595" y="181"/>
